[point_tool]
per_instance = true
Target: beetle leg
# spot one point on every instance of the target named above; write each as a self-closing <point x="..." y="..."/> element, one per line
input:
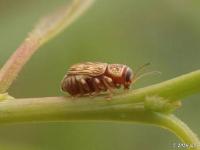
<point x="117" y="85"/>
<point x="81" y="91"/>
<point x="96" y="83"/>
<point x="85" y="85"/>
<point x="126" y="87"/>
<point x="75" y="85"/>
<point x="111" y="83"/>
<point x="99" y="84"/>
<point x="107" y="83"/>
<point x="67" y="86"/>
<point x="72" y="85"/>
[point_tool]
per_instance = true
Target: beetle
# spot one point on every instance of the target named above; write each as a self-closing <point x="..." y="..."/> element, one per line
<point x="95" y="77"/>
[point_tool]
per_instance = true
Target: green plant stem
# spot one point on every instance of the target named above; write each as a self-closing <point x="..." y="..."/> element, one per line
<point x="175" y="125"/>
<point x="179" y="87"/>
<point x="67" y="109"/>
<point x="173" y="89"/>
<point x="179" y="128"/>
<point x="45" y="30"/>
<point x="125" y="107"/>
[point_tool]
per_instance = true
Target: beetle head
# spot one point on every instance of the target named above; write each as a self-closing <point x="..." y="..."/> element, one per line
<point x="121" y="74"/>
<point x="128" y="76"/>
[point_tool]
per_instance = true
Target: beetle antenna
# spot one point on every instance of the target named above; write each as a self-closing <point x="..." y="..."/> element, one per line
<point x="138" y="71"/>
<point x="139" y="76"/>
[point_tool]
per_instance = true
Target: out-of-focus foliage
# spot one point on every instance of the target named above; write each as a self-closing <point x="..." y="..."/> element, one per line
<point x="133" y="32"/>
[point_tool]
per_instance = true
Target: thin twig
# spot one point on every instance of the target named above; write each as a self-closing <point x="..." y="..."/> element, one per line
<point x="45" y="30"/>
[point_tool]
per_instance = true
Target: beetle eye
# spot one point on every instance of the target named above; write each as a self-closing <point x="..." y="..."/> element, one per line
<point x="128" y="75"/>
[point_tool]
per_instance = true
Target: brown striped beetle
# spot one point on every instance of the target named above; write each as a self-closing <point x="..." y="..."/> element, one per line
<point x="95" y="77"/>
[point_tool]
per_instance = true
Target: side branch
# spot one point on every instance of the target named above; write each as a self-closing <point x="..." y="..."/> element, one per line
<point x="45" y="30"/>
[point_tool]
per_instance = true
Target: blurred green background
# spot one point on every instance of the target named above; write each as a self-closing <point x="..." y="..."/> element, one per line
<point x="133" y="32"/>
